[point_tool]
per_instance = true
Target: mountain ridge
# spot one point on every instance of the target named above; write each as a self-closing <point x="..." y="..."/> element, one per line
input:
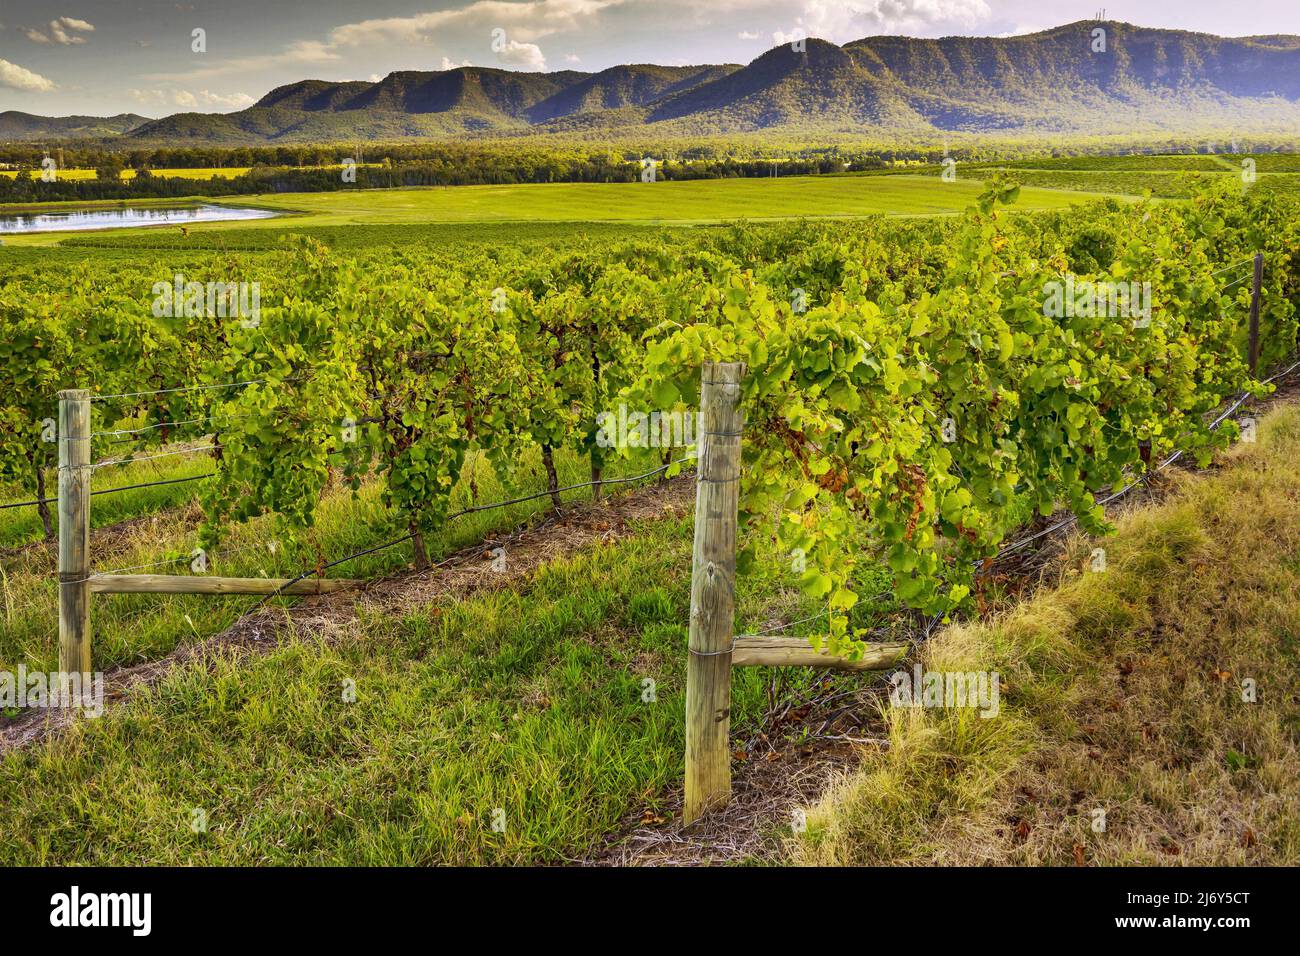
<point x="1052" y="81"/>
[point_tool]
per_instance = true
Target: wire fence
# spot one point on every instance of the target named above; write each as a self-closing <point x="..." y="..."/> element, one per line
<point x="179" y="388"/>
<point x="1235" y="265"/>
<point x="184" y="558"/>
<point x="132" y="459"/>
<point x="111" y="491"/>
<point x="318" y="569"/>
<point x="1146" y="476"/>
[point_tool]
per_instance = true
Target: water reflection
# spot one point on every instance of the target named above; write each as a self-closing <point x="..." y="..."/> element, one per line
<point x="77" y="220"/>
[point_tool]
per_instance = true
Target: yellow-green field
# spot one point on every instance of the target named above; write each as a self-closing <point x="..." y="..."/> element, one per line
<point x="687" y="201"/>
<point x="682" y="202"/>
<point x="226" y="172"/>
<point x="207" y="172"/>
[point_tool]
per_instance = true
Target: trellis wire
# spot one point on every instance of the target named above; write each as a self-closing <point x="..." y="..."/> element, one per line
<point x="111" y="491"/>
<point x="1235" y="265"/>
<point x="179" y="388"/>
<point x="498" y="504"/>
<point x="114" y="432"/>
<point x="181" y="560"/>
<point x="130" y="459"/>
<point x="1240" y="400"/>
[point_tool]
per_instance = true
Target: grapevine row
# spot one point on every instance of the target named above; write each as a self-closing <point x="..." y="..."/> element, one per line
<point x="905" y="387"/>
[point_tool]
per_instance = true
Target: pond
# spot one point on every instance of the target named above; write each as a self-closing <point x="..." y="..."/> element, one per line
<point x="75" y="220"/>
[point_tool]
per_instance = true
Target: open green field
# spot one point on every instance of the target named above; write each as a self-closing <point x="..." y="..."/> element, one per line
<point x="690" y="201"/>
<point x="682" y="202"/>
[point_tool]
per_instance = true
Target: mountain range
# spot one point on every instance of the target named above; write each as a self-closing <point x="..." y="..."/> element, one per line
<point x="15" y="125"/>
<point x="1054" y="81"/>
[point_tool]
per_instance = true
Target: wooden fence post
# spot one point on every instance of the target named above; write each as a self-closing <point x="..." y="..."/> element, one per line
<point x="713" y="584"/>
<point x="1256" y="288"/>
<point x="74" y="531"/>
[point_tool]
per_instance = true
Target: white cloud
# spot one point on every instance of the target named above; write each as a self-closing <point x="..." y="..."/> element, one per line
<point x="453" y="65"/>
<point x="844" y="20"/>
<point x="527" y="21"/>
<point x="202" y="101"/>
<point x="18" y="78"/>
<point x="572" y="58"/>
<point x="524" y="22"/>
<point x="62" y="30"/>
<point x="234" y="101"/>
<point x="59" y="29"/>
<point x="304" y="52"/>
<point x="375" y="77"/>
<point x="526" y="55"/>
<point x="1020" y="31"/>
<point x="780" y="37"/>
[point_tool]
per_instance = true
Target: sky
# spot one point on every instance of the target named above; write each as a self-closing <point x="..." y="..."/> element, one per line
<point x="103" y="57"/>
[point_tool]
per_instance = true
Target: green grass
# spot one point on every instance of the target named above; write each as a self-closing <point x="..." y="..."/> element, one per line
<point x="133" y="628"/>
<point x="358" y="238"/>
<point x="1166" y="176"/>
<point x="682" y="202"/>
<point x="663" y="202"/>
<point x="667" y="202"/>
<point x="530" y="699"/>
<point x="530" y="704"/>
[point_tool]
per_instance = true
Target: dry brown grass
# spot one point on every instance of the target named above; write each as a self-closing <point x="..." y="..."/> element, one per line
<point x="1121" y="692"/>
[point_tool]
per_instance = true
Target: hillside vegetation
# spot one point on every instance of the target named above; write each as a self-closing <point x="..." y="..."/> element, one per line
<point x="1054" y="81"/>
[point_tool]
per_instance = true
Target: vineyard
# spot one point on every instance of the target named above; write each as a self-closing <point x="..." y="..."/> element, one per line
<point x="909" y="397"/>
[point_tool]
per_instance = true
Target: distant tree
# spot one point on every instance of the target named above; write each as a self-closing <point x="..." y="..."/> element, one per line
<point x="109" y="171"/>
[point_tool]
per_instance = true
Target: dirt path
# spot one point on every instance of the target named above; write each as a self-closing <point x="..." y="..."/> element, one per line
<point x="471" y="569"/>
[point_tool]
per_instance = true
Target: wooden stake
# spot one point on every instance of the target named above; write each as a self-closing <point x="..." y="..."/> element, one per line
<point x="203" y="584"/>
<point x="1254" y="313"/>
<point x="713" y="586"/>
<point x="755" y="651"/>
<point x="74" y="531"/>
